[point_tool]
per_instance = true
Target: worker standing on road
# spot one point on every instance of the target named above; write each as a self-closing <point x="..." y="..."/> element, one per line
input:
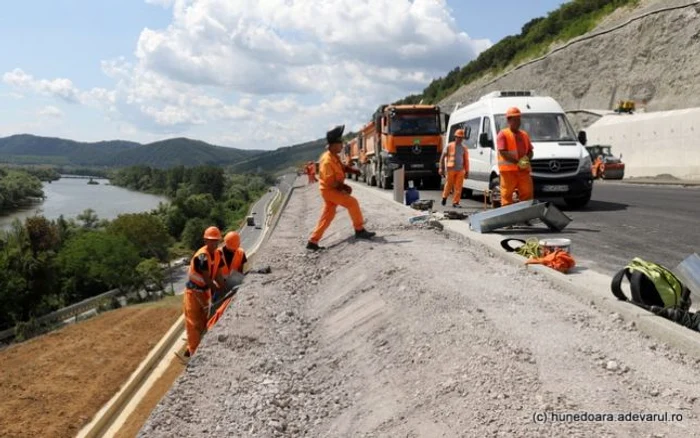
<point x="204" y="277"/>
<point x="514" y="155"/>
<point x="335" y="192"/>
<point x="455" y="158"/>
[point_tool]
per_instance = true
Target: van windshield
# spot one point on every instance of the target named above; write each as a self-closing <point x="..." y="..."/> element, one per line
<point x="541" y="127"/>
<point x="414" y="124"/>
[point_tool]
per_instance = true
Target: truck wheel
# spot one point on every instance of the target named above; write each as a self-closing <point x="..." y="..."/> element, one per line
<point x="578" y="202"/>
<point x="495" y="188"/>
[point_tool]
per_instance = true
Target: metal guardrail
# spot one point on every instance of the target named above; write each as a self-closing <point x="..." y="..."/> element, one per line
<point x="66" y="312"/>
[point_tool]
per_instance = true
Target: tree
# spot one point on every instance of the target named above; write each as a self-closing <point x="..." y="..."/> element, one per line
<point x="145" y="231"/>
<point x="94" y="262"/>
<point x="89" y="218"/>
<point x="43" y="235"/>
<point x="192" y="235"/>
<point x="151" y="273"/>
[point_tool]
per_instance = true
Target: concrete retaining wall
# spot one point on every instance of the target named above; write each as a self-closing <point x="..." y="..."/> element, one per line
<point x="665" y="142"/>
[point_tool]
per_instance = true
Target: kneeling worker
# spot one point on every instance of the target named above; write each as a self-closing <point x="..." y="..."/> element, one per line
<point x="204" y="277"/>
<point x="335" y="192"/>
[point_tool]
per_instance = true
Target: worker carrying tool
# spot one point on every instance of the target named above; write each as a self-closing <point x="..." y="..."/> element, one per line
<point x="335" y="192"/>
<point x="454" y="158"/>
<point x="514" y="155"/>
<point x="204" y="278"/>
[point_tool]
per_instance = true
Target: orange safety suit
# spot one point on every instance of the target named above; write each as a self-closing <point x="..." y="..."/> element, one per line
<point x="197" y="298"/>
<point x="311" y="173"/>
<point x="232" y="260"/>
<point x="332" y="171"/>
<point x="597" y="167"/>
<point x="456" y="171"/>
<point x="512" y="176"/>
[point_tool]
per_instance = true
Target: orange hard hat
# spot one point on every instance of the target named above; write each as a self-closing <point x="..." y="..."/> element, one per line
<point x="212" y="233"/>
<point x="512" y="112"/>
<point x="232" y="240"/>
<point x="459" y="133"/>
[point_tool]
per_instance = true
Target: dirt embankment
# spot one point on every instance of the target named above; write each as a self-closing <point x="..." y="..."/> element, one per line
<point x="53" y="385"/>
<point x="416" y="334"/>
<point x="652" y="61"/>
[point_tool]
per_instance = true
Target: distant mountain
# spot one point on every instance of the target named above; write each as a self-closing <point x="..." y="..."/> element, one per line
<point x="180" y="151"/>
<point x="282" y="159"/>
<point x="30" y="149"/>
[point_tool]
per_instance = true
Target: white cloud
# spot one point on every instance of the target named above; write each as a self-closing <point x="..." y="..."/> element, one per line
<point x="50" y="111"/>
<point x="272" y="71"/>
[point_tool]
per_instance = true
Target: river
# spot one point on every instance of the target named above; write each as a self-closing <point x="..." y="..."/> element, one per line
<point x="71" y="196"/>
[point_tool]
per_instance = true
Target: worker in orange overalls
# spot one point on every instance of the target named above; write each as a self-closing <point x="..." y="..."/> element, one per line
<point x="335" y="192"/>
<point x="597" y="167"/>
<point x="455" y="158"/>
<point x="233" y="259"/>
<point x="311" y="172"/>
<point x="204" y="277"/>
<point x="514" y="155"/>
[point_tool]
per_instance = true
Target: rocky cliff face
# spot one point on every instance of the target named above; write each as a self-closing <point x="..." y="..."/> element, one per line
<point x="649" y="54"/>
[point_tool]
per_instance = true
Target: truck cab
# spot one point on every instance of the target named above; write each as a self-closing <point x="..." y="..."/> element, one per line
<point x="561" y="166"/>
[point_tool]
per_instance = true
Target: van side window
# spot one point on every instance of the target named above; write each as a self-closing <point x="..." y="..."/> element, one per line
<point x="473" y="137"/>
<point x="487" y="128"/>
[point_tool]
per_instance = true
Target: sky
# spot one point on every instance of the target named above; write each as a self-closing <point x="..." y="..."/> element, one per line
<point x="251" y="74"/>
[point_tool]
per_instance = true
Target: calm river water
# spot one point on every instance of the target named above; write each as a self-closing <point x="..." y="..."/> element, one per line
<point x="71" y="196"/>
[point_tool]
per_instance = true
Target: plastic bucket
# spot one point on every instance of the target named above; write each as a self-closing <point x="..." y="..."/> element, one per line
<point x="555" y="244"/>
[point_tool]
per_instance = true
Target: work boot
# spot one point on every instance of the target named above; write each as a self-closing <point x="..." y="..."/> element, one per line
<point x="314" y="246"/>
<point x="456" y="206"/>
<point x="444" y="201"/>
<point x="364" y="234"/>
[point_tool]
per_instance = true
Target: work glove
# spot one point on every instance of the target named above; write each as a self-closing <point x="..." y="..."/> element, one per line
<point x="346" y="189"/>
<point x="355" y="171"/>
<point x="524" y="163"/>
<point x="441" y="172"/>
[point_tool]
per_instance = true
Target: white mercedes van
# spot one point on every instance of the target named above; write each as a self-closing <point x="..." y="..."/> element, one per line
<point x="561" y="166"/>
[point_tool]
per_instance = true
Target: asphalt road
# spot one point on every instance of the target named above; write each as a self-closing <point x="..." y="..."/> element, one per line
<point x="657" y="223"/>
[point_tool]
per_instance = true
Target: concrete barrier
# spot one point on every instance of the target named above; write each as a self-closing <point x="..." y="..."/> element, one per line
<point x="655" y="143"/>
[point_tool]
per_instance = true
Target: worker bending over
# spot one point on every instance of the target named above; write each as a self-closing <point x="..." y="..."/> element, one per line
<point x="454" y="158"/>
<point x="335" y="192"/>
<point x="204" y="277"/>
<point x="514" y="155"/>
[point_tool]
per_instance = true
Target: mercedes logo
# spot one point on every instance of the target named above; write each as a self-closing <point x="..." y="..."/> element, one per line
<point x="554" y="166"/>
<point x="416" y="149"/>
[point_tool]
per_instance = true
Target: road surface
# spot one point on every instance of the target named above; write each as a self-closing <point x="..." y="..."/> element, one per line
<point x="622" y="221"/>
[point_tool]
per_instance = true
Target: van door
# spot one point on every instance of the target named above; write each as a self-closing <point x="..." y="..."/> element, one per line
<point x="478" y="158"/>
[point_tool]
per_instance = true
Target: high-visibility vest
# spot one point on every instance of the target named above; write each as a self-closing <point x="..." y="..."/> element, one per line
<point x="236" y="263"/>
<point x="512" y="146"/>
<point x="195" y="277"/>
<point x="451" y="156"/>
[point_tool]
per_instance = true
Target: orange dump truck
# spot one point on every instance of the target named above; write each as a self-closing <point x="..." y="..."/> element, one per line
<point x="402" y="135"/>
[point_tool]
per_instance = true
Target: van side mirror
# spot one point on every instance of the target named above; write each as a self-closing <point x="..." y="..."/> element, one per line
<point x="582" y="138"/>
<point x="484" y="141"/>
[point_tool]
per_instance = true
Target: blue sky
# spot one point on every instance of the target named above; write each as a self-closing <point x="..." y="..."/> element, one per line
<point x="244" y="74"/>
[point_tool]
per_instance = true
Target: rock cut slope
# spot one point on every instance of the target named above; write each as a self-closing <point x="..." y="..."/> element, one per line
<point x="652" y="60"/>
<point x="415" y="334"/>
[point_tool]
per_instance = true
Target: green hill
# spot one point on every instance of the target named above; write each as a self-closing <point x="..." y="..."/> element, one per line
<point x="570" y="20"/>
<point x="282" y="159"/>
<point x="179" y="151"/>
<point x="31" y="149"/>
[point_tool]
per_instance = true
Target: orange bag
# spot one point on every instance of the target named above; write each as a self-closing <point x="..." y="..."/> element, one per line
<point x="559" y="260"/>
